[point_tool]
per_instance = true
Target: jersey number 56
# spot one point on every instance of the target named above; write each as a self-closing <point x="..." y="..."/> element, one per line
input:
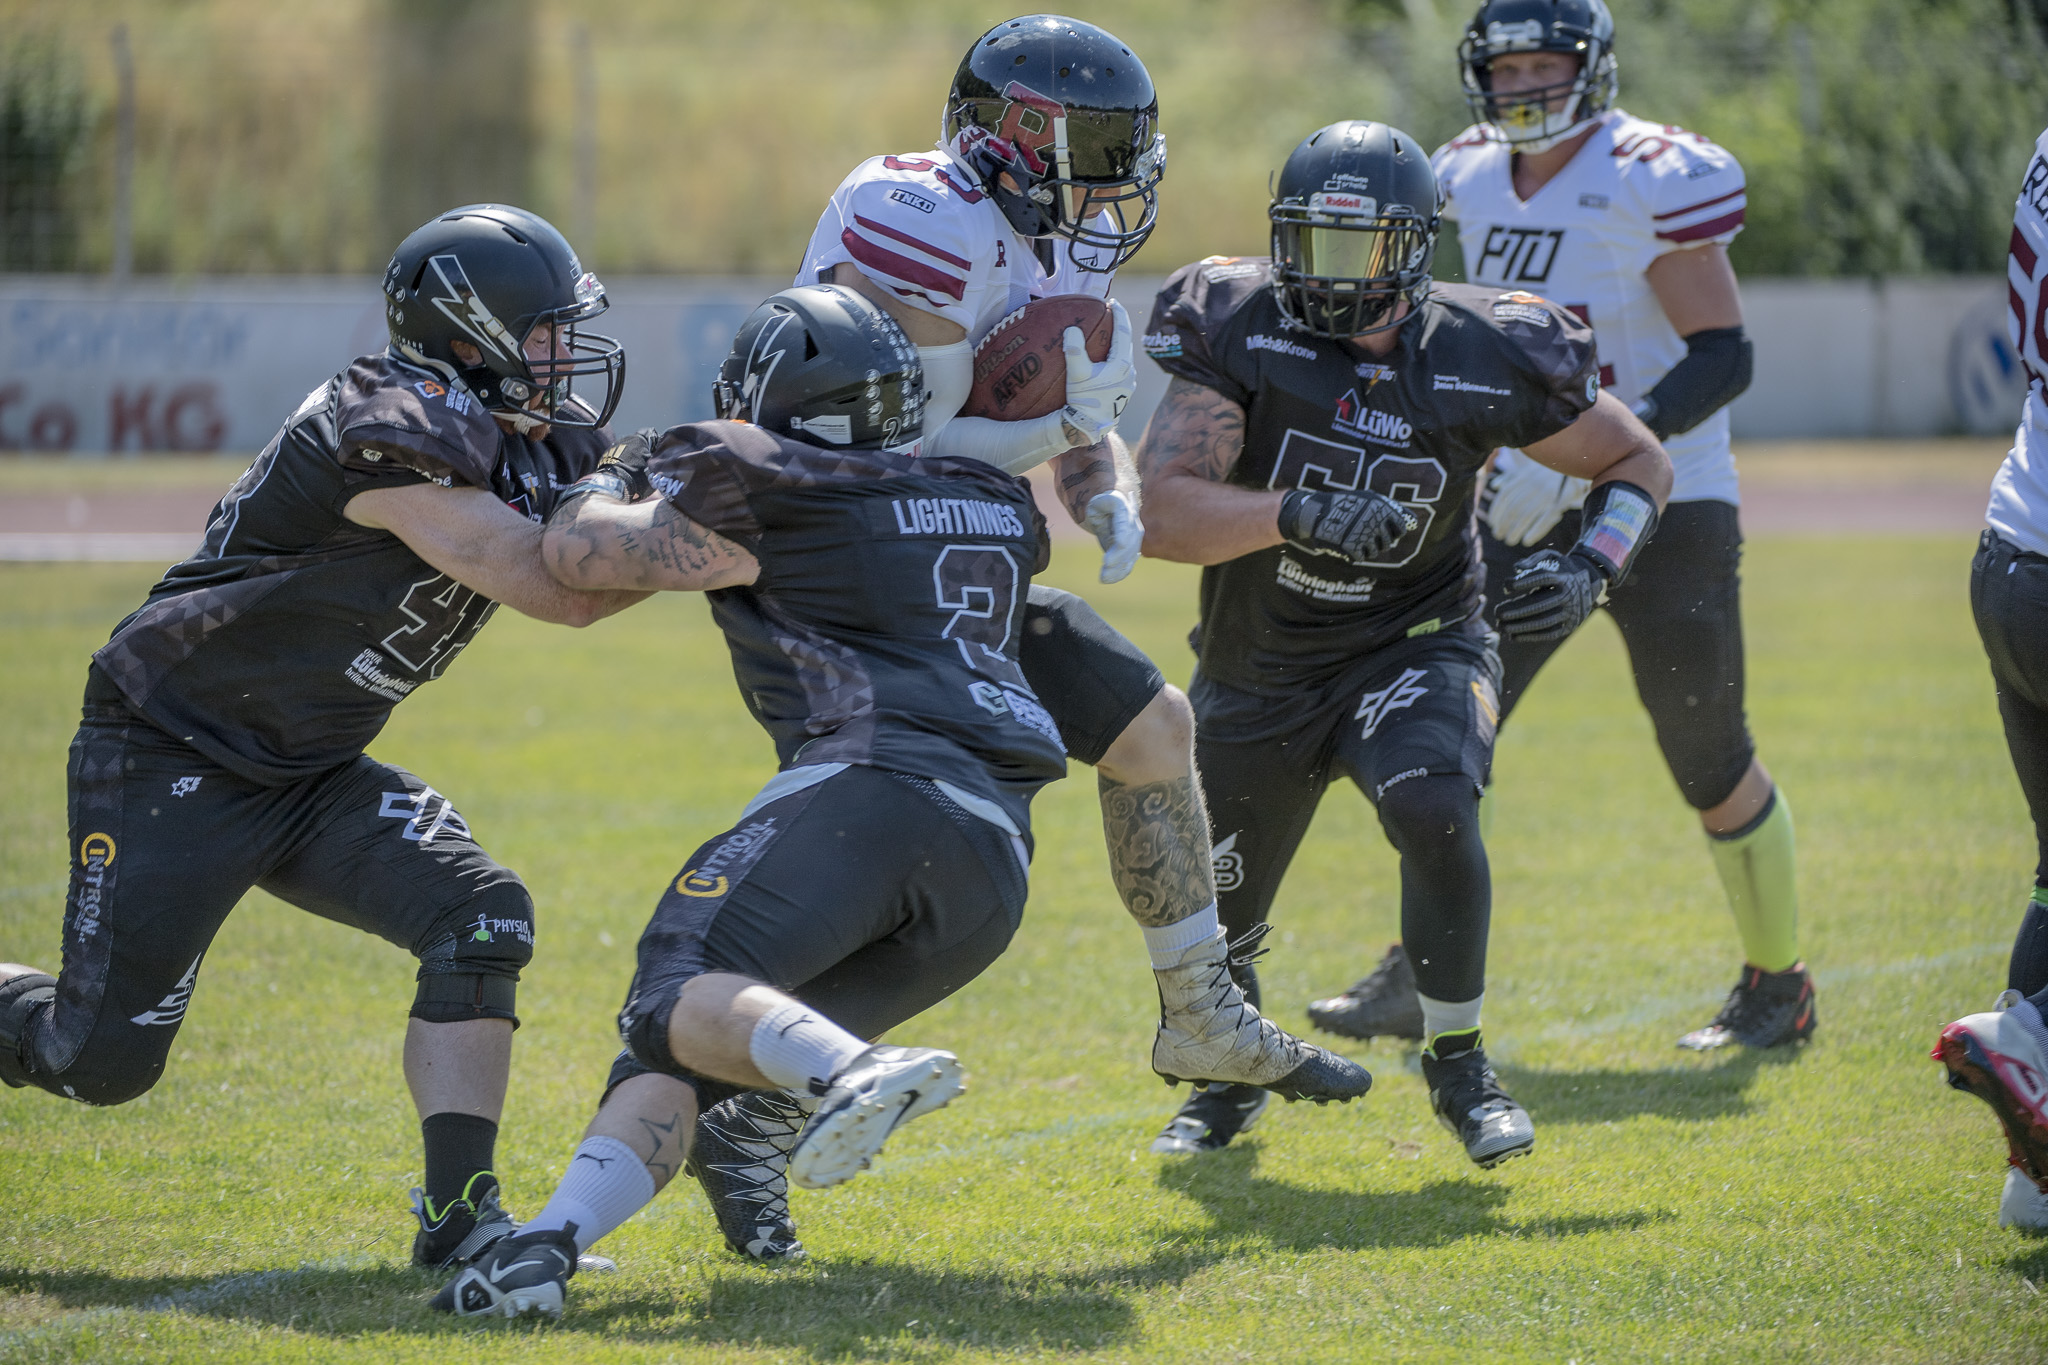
<point x="1416" y="483"/>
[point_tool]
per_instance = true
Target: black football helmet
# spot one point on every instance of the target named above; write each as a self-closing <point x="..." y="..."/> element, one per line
<point x="1354" y="229"/>
<point x="488" y="274"/>
<point x="1070" y="113"/>
<point x="1581" y="28"/>
<point x="823" y="365"/>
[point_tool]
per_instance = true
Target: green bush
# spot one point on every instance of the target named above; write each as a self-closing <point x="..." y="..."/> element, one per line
<point x="44" y="126"/>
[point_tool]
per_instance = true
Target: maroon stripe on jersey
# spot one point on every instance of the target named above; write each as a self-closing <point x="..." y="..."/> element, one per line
<point x="948" y="257"/>
<point x="2023" y="251"/>
<point x="2018" y="306"/>
<point x="1713" y="227"/>
<point x="1703" y="204"/>
<point x="902" y="267"/>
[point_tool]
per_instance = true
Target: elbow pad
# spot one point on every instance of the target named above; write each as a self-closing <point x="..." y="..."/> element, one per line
<point x="1617" y="520"/>
<point x="1012" y="447"/>
<point x="1715" y="369"/>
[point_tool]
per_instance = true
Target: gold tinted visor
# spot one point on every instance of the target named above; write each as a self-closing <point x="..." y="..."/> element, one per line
<point x="1341" y="253"/>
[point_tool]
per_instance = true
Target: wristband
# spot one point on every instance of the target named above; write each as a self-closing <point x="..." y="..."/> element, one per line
<point x="1616" y="521"/>
<point x="601" y="482"/>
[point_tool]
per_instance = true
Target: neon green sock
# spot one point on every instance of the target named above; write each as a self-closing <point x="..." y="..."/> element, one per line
<point x="1756" y="867"/>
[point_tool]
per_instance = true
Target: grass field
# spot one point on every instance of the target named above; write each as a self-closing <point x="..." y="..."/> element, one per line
<point x="1837" y="1204"/>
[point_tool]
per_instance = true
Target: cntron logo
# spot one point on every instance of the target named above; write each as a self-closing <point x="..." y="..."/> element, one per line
<point x="96" y="850"/>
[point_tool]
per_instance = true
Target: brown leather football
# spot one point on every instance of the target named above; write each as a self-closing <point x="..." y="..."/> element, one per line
<point x="1020" y="367"/>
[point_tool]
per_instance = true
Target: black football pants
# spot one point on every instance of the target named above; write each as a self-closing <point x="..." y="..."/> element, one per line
<point x="2009" y="598"/>
<point x="1680" y="613"/>
<point x="1413" y="728"/>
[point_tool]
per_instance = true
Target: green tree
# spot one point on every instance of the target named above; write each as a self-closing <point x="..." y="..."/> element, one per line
<point x="44" y="129"/>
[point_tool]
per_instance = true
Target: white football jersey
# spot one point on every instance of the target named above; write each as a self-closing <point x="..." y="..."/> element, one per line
<point x="2019" y="495"/>
<point x="919" y="226"/>
<point x="1635" y="191"/>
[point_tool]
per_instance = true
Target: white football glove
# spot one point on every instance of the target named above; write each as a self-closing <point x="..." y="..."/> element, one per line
<point x="1528" y="499"/>
<point x="1098" y="394"/>
<point x="1117" y="529"/>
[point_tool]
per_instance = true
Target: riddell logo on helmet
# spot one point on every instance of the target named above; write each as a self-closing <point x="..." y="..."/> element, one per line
<point x="1343" y="203"/>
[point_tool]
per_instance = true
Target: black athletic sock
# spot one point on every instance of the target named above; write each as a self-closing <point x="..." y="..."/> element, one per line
<point x="458" y="1147"/>
<point x="1446" y="889"/>
<point x="2028" y="972"/>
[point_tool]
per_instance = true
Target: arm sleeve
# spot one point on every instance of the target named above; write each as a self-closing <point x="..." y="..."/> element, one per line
<point x="1558" y="367"/>
<point x="1188" y="317"/>
<point x="1698" y="196"/>
<point x="1716" y="367"/>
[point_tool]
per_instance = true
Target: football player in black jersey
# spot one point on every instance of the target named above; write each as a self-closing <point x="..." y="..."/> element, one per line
<point x="1051" y="134"/>
<point x="1317" y="452"/>
<point x="225" y="721"/>
<point x="874" y="604"/>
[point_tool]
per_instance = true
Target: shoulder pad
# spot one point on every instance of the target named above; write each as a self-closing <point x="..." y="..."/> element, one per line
<point x="391" y="414"/>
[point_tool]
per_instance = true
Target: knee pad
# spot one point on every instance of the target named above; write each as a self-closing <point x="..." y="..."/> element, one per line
<point x="1430" y="813"/>
<point x="709" y="1092"/>
<point x="21" y="999"/>
<point x="471" y="971"/>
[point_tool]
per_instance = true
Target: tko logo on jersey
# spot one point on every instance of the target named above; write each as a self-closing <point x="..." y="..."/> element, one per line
<point x="1514" y="255"/>
<point x="955" y="517"/>
<point x="1375" y="707"/>
<point x="1355" y="419"/>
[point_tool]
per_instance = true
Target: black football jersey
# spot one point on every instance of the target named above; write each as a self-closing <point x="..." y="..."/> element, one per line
<point x="1475" y="369"/>
<point x="883" y="628"/>
<point x="279" y="648"/>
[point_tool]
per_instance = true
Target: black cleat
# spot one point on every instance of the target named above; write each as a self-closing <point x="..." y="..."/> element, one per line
<point x="520" y="1275"/>
<point x="1468" y="1101"/>
<point x="1212" y="1116"/>
<point x="740" y="1156"/>
<point x="1766" y="1009"/>
<point x="1382" y="1004"/>
<point x="461" y="1230"/>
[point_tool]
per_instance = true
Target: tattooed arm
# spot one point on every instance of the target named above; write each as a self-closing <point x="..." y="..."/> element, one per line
<point x="1085" y="471"/>
<point x="1188" y="451"/>
<point x="597" y="541"/>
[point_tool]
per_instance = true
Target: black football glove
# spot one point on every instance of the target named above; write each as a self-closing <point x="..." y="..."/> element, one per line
<point x="628" y="460"/>
<point x="1360" y="527"/>
<point x="1550" y="595"/>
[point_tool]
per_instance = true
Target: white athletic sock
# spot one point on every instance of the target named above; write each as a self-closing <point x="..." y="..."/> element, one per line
<point x="800" y="1049"/>
<point x="604" y="1186"/>
<point x="1446" y="1016"/>
<point x="1168" y="943"/>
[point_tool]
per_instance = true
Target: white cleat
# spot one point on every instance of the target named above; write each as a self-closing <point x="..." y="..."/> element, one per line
<point x="884" y="1086"/>
<point x="1211" y="1034"/>
<point x="2022" y="1206"/>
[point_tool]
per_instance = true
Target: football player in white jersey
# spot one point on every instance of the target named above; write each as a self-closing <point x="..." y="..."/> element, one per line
<point x="2002" y="1056"/>
<point x="1045" y="183"/>
<point x="1558" y="192"/>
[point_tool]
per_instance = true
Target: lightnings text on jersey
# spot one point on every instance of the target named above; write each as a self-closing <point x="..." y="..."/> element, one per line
<point x="955" y="516"/>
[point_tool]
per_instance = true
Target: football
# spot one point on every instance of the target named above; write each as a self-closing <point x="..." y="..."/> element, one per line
<point x="1020" y="367"/>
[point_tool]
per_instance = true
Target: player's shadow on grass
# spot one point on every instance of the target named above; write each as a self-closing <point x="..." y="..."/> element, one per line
<point x="1677" y="1092"/>
<point x="1241" y="1204"/>
<point x="832" y="1310"/>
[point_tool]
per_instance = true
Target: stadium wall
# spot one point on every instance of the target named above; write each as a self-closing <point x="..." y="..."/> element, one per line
<point x="216" y="363"/>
